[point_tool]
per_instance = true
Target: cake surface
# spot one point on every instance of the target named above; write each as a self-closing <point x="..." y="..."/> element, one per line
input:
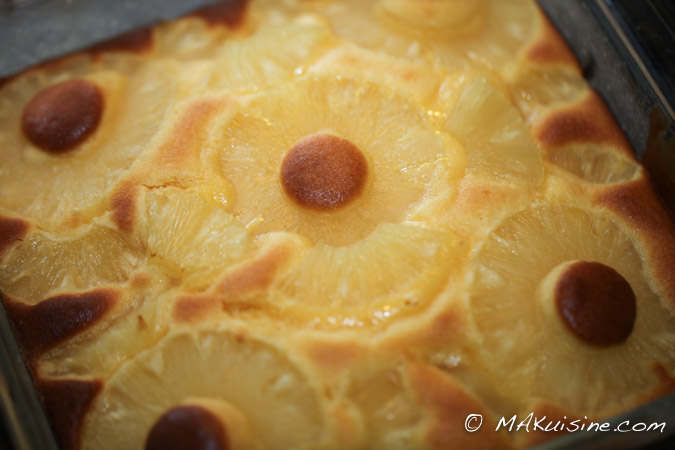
<point x="330" y="224"/>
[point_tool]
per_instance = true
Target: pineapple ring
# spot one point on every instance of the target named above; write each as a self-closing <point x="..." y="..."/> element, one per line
<point x="393" y="271"/>
<point x="440" y="18"/>
<point x="188" y="236"/>
<point x="532" y="358"/>
<point x="42" y="264"/>
<point x="484" y="34"/>
<point x="497" y="141"/>
<point x="60" y="166"/>
<point x="213" y="365"/>
<point x="407" y="160"/>
<point x="594" y="163"/>
<point x="537" y="90"/>
<point x="274" y="54"/>
<point x="407" y="166"/>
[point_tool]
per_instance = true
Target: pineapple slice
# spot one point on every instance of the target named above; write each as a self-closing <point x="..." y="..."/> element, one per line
<point x="188" y="236"/>
<point x="537" y="90"/>
<point x="594" y="163"/>
<point x="273" y="54"/>
<point x="78" y="133"/>
<point x="359" y="22"/>
<point x="412" y="80"/>
<point x="565" y="312"/>
<point x="452" y="33"/>
<point x="135" y="324"/>
<point x="188" y="39"/>
<point x="494" y="135"/>
<point x="331" y="159"/>
<point x="42" y="264"/>
<point x="229" y="375"/>
<point x="396" y="269"/>
<point x="389" y="409"/>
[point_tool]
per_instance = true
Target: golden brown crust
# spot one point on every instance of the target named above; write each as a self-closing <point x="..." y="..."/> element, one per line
<point x="11" y="231"/>
<point x="230" y="13"/>
<point x="192" y="309"/>
<point x="254" y="276"/>
<point x="481" y="205"/>
<point x="451" y="404"/>
<point x="445" y="331"/>
<point x="333" y="356"/>
<point x="175" y="161"/>
<point x="139" y="41"/>
<point x="41" y="327"/>
<point x="640" y="207"/>
<point x="123" y="206"/>
<point x="6" y="80"/>
<point x="187" y="134"/>
<point x="251" y="279"/>
<point x="446" y="326"/>
<point x="66" y="403"/>
<point x="550" y="47"/>
<point x="587" y="121"/>
<point x="665" y="384"/>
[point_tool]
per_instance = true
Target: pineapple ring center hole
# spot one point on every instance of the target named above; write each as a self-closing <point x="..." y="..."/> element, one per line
<point x="188" y="426"/>
<point x="62" y="116"/>
<point x="591" y="301"/>
<point x="324" y="172"/>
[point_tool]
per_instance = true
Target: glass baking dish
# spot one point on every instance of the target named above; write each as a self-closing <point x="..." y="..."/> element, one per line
<point x="631" y="73"/>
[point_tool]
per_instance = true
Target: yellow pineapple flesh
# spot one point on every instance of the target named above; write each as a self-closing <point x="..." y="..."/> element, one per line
<point x="594" y="163"/>
<point x="398" y="268"/>
<point x="272" y="55"/>
<point x="405" y="157"/>
<point x="388" y="407"/>
<point x="188" y="39"/>
<point x="526" y="346"/>
<point x="495" y="137"/>
<point x="216" y="365"/>
<point x="401" y="164"/>
<point x="188" y="236"/>
<point x="539" y="89"/>
<point x="43" y="264"/>
<point x="452" y="33"/>
<point x="71" y="185"/>
<point x="134" y="325"/>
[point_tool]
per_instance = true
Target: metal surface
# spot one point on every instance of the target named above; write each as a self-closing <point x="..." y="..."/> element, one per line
<point x="603" y="67"/>
<point x="617" y="435"/>
<point x="632" y="73"/>
<point x="30" y="34"/>
<point x="20" y="408"/>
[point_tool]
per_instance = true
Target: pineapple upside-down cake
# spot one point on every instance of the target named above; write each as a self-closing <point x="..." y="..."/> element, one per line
<point x="329" y="224"/>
